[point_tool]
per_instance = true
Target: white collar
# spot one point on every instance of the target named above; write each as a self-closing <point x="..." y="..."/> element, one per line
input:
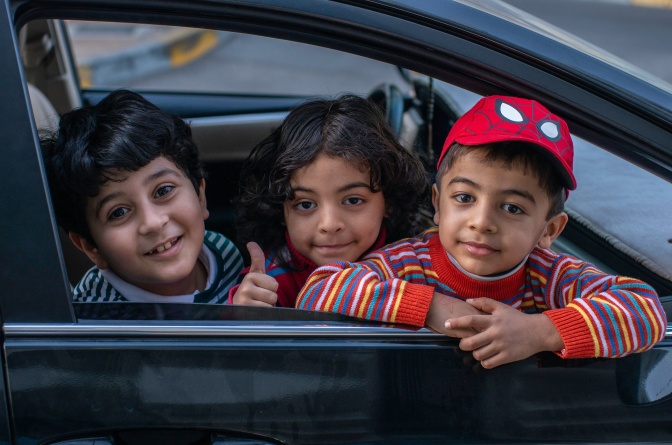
<point x="489" y="277"/>
<point x="137" y="295"/>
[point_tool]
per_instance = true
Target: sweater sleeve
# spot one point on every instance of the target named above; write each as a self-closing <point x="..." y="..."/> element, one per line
<point x="597" y="314"/>
<point x="375" y="289"/>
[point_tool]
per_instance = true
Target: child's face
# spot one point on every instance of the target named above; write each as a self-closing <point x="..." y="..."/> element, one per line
<point x="334" y="216"/>
<point x="149" y="228"/>
<point x="491" y="217"/>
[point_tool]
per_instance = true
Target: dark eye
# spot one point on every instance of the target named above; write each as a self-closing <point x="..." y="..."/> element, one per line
<point x="305" y="205"/>
<point x="353" y="201"/>
<point x="118" y="213"/>
<point x="164" y="190"/>
<point x="512" y="208"/>
<point x="464" y="198"/>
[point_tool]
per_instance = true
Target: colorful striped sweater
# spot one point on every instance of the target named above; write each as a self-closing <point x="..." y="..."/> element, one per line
<point x="596" y="314"/>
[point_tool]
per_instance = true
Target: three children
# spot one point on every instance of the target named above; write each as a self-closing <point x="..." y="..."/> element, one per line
<point x="331" y="186"/>
<point x="503" y="175"/>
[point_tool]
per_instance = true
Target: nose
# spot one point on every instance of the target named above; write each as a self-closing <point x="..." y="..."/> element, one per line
<point x="482" y="218"/>
<point x="152" y="219"/>
<point x="330" y="220"/>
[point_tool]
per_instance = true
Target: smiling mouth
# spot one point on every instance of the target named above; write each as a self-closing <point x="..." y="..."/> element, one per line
<point x="479" y="249"/>
<point x="163" y="247"/>
<point x="332" y="246"/>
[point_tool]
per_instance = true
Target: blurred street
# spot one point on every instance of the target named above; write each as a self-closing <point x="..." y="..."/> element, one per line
<point x="166" y="58"/>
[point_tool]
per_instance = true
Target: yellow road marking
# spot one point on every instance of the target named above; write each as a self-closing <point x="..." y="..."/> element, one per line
<point x="653" y="3"/>
<point x="184" y="52"/>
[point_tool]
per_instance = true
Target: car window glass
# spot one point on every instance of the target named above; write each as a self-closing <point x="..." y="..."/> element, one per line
<point x="168" y="58"/>
<point x="600" y="24"/>
<point x="610" y="196"/>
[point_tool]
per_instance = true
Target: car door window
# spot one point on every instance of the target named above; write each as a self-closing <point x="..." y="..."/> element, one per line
<point x="181" y="69"/>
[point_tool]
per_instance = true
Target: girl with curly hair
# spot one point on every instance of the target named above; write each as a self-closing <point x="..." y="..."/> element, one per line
<point x="330" y="184"/>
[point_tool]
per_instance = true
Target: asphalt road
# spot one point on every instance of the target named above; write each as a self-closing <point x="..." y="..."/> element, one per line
<point x="637" y="34"/>
<point x="244" y="63"/>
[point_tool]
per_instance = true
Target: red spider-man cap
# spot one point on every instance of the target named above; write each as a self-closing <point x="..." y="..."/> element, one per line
<point x="503" y="118"/>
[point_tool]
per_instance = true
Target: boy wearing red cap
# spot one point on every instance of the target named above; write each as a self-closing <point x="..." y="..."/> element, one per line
<point x="486" y="273"/>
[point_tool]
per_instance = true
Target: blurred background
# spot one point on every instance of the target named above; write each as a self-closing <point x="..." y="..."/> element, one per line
<point x="178" y="59"/>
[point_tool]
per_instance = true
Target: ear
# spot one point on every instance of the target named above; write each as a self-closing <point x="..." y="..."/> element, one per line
<point x="388" y="211"/>
<point x="554" y="228"/>
<point x="435" y="203"/>
<point x="92" y="252"/>
<point x="202" y="200"/>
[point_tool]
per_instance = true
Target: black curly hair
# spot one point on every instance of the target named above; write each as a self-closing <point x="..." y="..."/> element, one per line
<point x="349" y="127"/>
<point x="124" y="132"/>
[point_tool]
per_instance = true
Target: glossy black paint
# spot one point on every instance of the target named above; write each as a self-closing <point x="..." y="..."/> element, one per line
<point x="305" y="389"/>
<point x="302" y="379"/>
<point x="5" y="431"/>
<point x="24" y="200"/>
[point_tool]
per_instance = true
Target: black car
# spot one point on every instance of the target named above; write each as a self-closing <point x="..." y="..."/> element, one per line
<point x="127" y="373"/>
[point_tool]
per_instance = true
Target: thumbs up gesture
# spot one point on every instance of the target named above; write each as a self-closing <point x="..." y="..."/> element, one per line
<point x="257" y="288"/>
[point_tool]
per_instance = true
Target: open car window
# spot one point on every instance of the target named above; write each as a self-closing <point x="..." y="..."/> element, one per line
<point x="235" y="88"/>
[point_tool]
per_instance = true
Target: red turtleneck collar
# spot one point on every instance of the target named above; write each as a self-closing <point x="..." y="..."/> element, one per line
<point x="468" y="287"/>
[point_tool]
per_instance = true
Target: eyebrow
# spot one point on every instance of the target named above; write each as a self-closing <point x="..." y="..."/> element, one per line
<point x="346" y="187"/>
<point x="522" y="193"/>
<point x="154" y="176"/>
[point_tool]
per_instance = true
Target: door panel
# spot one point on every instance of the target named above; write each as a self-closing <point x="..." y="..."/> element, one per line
<point x="302" y="384"/>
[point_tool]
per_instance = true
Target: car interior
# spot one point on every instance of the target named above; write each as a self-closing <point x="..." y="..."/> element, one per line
<point x="227" y="126"/>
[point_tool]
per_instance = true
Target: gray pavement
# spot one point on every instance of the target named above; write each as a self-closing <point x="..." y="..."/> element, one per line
<point x="112" y="53"/>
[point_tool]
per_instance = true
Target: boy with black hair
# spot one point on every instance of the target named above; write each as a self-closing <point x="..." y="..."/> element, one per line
<point x="486" y="273"/>
<point x="128" y="187"/>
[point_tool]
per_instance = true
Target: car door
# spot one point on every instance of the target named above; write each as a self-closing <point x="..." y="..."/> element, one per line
<point x="5" y="420"/>
<point x="121" y="373"/>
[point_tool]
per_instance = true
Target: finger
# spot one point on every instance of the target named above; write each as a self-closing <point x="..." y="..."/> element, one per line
<point x="486" y="305"/>
<point x="258" y="303"/>
<point x="255" y="296"/>
<point x="475" y="342"/>
<point x="262" y="281"/>
<point x="263" y="297"/>
<point x="477" y="323"/>
<point x="493" y="361"/>
<point x="440" y="328"/>
<point x="257" y="258"/>
<point x="458" y="333"/>
<point x="485" y="352"/>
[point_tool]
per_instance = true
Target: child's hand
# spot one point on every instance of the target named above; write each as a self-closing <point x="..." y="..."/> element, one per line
<point x="505" y="334"/>
<point x="257" y="288"/>
<point x="443" y="308"/>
